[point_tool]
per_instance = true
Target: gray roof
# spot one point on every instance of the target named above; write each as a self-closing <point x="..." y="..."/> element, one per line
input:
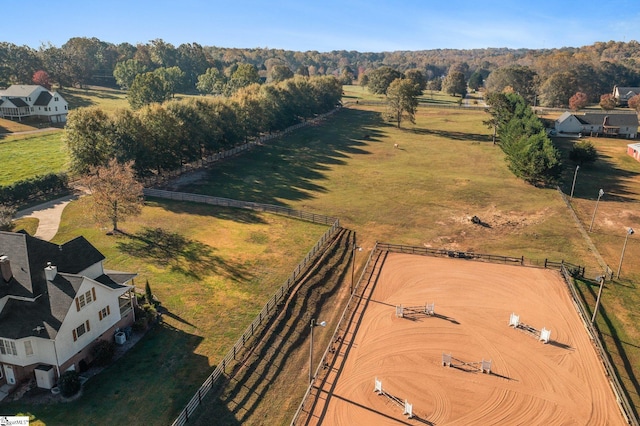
<point x="615" y="120"/>
<point x="18" y="102"/>
<point x="19" y="90"/>
<point x="28" y="256"/>
<point x="43" y="99"/>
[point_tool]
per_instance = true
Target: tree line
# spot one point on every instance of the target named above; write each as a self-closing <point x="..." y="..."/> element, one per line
<point x="159" y="137"/>
<point x="546" y="77"/>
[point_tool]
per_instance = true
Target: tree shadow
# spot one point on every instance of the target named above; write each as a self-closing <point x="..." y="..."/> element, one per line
<point x="603" y="174"/>
<point x="458" y="136"/>
<point x="197" y="209"/>
<point x="292" y="168"/>
<point x="189" y="257"/>
<point x="76" y="101"/>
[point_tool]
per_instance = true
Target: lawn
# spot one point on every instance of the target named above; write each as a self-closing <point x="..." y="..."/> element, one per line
<point x="231" y="262"/>
<point x="32" y="154"/>
<point x="444" y="171"/>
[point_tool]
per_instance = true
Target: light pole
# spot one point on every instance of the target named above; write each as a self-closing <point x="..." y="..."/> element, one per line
<point x="353" y="264"/>
<point x="575" y="174"/>
<point x="600" y="194"/>
<point x="312" y="325"/>
<point x="599" y="279"/>
<point x="629" y="232"/>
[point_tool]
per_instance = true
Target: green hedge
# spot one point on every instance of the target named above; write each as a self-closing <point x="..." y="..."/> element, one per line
<point x="24" y="190"/>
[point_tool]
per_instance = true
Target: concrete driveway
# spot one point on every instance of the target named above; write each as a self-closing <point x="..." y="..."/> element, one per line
<point x="48" y="214"/>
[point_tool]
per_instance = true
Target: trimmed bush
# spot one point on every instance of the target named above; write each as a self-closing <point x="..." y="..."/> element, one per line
<point x="69" y="383"/>
<point x="103" y="352"/>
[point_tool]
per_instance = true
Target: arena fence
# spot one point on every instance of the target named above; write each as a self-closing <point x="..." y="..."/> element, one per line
<point x="596" y="338"/>
<point x="575" y="270"/>
<point x="568" y="271"/>
<point x="246" y="341"/>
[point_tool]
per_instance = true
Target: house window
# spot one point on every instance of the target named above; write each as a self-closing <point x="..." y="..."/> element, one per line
<point x="82" y="329"/>
<point x="28" y="348"/>
<point x="105" y="312"/>
<point x="65" y="107"/>
<point x="86" y="298"/>
<point x="56" y="108"/>
<point x="55" y="99"/>
<point x="8" y="347"/>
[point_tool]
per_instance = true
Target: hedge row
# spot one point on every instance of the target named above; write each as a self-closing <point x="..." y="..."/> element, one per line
<point x="28" y="189"/>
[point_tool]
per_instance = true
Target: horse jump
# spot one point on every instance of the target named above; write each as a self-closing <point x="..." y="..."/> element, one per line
<point x="407" y="407"/>
<point x="481" y="366"/>
<point x="543" y="335"/>
<point x="428" y="309"/>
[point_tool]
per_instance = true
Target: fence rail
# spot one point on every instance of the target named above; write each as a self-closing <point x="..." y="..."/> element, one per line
<point x="270" y="308"/>
<point x="227" y="202"/>
<point x="596" y="337"/>
<point x="493" y="258"/>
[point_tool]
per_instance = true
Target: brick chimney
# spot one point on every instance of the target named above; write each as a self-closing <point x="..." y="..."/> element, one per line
<point x="5" y="269"/>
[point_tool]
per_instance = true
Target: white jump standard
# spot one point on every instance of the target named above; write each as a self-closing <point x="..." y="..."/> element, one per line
<point x="543" y="335"/>
<point x="406" y="406"/>
<point x="428" y="309"/>
<point x="483" y="366"/>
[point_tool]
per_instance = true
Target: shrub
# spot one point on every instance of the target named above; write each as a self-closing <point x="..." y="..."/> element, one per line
<point x="69" y="383"/>
<point x="6" y="217"/>
<point x="103" y="352"/>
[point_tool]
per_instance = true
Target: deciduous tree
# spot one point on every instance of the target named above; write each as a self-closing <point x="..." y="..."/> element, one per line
<point x="607" y="102"/>
<point x="212" y="82"/>
<point x="41" y="78"/>
<point x="381" y="78"/>
<point x="115" y="193"/>
<point x="125" y="72"/>
<point x="634" y="103"/>
<point x="147" y="88"/>
<point x="521" y="79"/>
<point x="455" y="83"/>
<point x="402" y="100"/>
<point x="578" y="101"/>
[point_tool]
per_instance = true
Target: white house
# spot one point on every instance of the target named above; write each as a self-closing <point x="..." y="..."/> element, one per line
<point x="56" y="301"/>
<point x="21" y="101"/>
<point x="623" y="94"/>
<point x="623" y="125"/>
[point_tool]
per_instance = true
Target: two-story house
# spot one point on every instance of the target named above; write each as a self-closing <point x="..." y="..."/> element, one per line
<point x="20" y="101"/>
<point x="623" y="94"/>
<point x="56" y="301"/>
<point x="615" y="124"/>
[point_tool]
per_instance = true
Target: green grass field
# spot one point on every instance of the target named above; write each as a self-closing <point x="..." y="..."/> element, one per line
<point x="445" y="171"/>
<point x="31" y="155"/>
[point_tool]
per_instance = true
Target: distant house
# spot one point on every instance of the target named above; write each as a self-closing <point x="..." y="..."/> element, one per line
<point x="623" y="94"/>
<point x="22" y="101"/>
<point x="624" y="125"/>
<point x="56" y="301"/>
<point x="633" y="149"/>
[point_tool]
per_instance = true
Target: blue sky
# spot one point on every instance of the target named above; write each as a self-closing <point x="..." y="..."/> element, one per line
<point x="325" y="25"/>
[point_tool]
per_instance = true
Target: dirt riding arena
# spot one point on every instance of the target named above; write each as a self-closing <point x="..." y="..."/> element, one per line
<point x="530" y="382"/>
